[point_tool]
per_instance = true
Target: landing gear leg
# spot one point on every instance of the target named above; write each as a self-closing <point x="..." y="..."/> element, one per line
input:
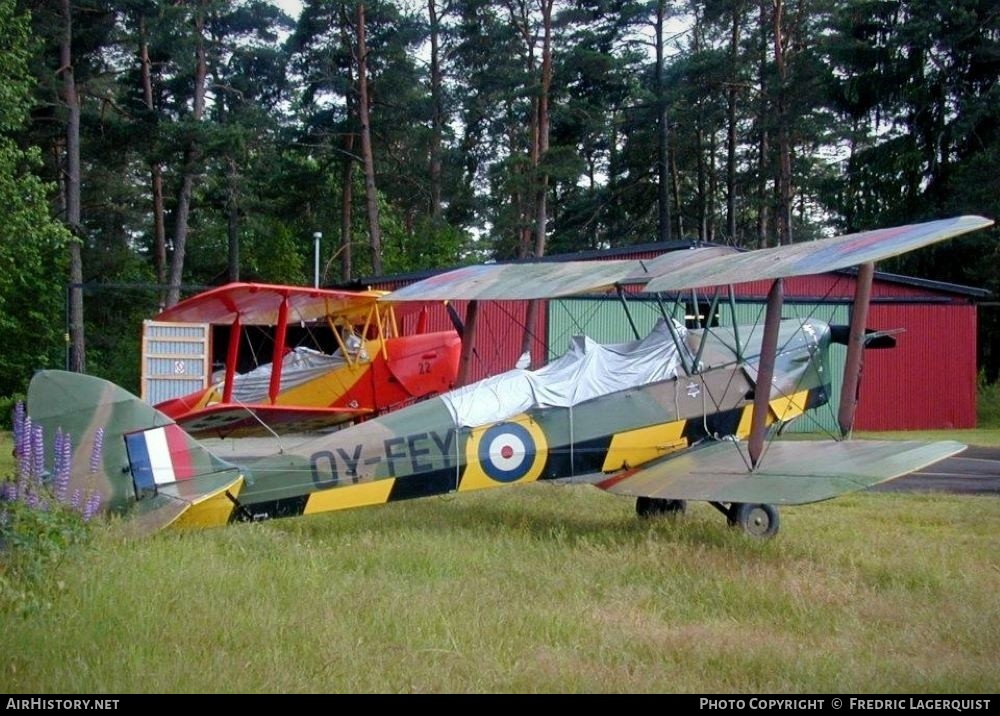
<point x="657" y="507"/>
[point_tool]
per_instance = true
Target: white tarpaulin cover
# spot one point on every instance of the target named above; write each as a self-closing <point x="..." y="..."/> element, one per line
<point x="300" y="365"/>
<point x="588" y="370"/>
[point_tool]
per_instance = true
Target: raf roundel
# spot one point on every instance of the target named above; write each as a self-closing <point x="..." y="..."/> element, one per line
<point x="506" y="452"/>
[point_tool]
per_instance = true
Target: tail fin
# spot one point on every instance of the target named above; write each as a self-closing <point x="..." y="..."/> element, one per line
<point x="134" y="456"/>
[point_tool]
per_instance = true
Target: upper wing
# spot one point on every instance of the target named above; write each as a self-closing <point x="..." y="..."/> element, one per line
<point x="515" y="281"/>
<point x="259" y="303"/>
<point x="792" y="472"/>
<point x="679" y="270"/>
<point x="810" y="257"/>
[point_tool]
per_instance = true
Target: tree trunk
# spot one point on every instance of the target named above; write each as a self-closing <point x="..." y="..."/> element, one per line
<point x="699" y="143"/>
<point x="371" y="194"/>
<point x="784" y="141"/>
<point x="233" y="223"/>
<point x="541" y="148"/>
<point x="663" y="133"/>
<point x="713" y="186"/>
<point x="676" y="183"/>
<point x="192" y="158"/>
<point x="734" y="45"/>
<point x="346" y="206"/>
<point x="763" y="141"/>
<point x="77" y="355"/>
<point x="541" y="194"/>
<point x="437" y="109"/>
<point x="155" y="169"/>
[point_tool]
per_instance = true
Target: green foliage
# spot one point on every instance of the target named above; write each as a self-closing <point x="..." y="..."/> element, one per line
<point x="31" y="242"/>
<point x="988" y="403"/>
<point x="275" y="253"/>
<point x="7" y="403"/>
<point x="428" y="245"/>
<point x="33" y="543"/>
<point x="41" y="520"/>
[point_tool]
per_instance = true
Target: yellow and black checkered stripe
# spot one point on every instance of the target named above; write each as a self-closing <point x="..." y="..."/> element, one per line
<point x="609" y="453"/>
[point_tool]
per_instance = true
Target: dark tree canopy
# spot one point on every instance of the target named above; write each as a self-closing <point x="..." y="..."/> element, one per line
<point x="217" y="137"/>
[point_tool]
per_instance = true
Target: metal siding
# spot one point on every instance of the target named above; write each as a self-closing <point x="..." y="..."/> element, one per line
<point x="499" y="330"/>
<point x="929" y="380"/>
<point x="603" y="319"/>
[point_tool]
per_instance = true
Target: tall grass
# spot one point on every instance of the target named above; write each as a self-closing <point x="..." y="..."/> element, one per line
<point x="534" y="589"/>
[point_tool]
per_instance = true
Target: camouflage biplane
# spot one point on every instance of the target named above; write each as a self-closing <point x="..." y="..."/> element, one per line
<point x="681" y="414"/>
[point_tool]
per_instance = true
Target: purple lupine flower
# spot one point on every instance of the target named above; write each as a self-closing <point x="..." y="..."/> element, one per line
<point x="19" y="417"/>
<point x="63" y="469"/>
<point x="75" y="500"/>
<point x="57" y="449"/>
<point x="57" y="453"/>
<point x="37" y="452"/>
<point x="8" y="493"/>
<point x="97" y="451"/>
<point x="92" y="506"/>
<point x="24" y="452"/>
<point x="32" y="500"/>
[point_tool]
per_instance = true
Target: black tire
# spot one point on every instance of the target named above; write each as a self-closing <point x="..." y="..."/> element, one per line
<point x="657" y="507"/>
<point x="757" y="520"/>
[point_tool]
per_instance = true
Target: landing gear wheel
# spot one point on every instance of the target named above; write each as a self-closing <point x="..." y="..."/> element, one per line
<point x="656" y="507"/>
<point x="757" y="520"/>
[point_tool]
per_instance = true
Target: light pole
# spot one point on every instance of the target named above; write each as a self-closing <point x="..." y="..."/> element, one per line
<point x="317" y="235"/>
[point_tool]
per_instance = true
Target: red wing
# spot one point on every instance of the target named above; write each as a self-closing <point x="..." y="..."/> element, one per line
<point x="258" y="304"/>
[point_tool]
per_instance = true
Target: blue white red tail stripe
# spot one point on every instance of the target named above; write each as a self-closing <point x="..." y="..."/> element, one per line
<point x="159" y="456"/>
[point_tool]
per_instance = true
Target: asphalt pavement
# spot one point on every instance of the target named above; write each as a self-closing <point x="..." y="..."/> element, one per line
<point x="975" y="470"/>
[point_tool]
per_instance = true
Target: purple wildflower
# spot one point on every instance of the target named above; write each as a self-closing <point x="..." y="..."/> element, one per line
<point x="37" y="452"/>
<point x="24" y="452"/>
<point x="8" y="493"/>
<point x="97" y="451"/>
<point x="19" y="418"/>
<point x="75" y="500"/>
<point x="63" y="468"/>
<point x="92" y="506"/>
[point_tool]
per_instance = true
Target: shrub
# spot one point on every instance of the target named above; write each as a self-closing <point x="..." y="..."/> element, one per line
<point x="988" y="403"/>
<point x="41" y="517"/>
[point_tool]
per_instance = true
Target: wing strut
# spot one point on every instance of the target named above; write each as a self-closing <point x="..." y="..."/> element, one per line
<point x="765" y="372"/>
<point x="628" y="313"/>
<point x="855" y="349"/>
<point x="232" y="356"/>
<point x="279" y="352"/>
<point x="468" y="344"/>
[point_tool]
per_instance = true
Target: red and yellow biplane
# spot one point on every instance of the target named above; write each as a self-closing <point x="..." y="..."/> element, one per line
<point x="326" y="357"/>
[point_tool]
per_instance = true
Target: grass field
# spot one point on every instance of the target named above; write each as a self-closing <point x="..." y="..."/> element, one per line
<point x="540" y="588"/>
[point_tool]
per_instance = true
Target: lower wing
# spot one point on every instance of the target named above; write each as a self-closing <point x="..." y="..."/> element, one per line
<point x="790" y="473"/>
<point x="237" y="419"/>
